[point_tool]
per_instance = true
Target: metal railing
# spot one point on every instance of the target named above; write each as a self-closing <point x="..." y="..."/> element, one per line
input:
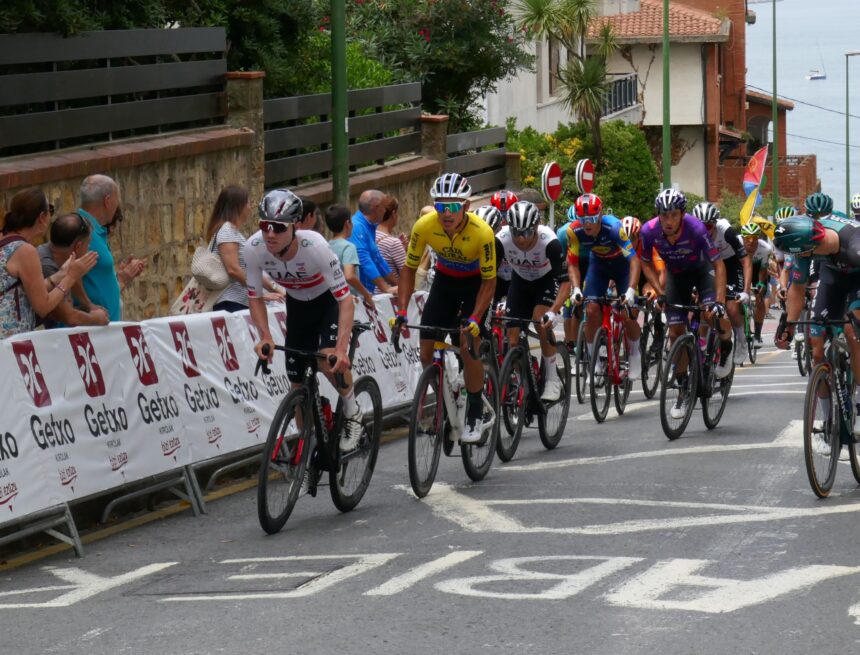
<point x="480" y="156"/>
<point x="621" y="93"/>
<point x="383" y="122"/>
<point x="57" y="91"/>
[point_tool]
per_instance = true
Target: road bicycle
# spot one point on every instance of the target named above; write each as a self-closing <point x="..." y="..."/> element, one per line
<point x="610" y="360"/>
<point x="436" y="426"/>
<point x="652" y="346"/>
<point x="521" y="385"/>
<point x="689" y="373"/>
<point x="304" y="442"/>
<point x="828" y="411"/>
<point x="747" y="313"/>
<point x="802" y="345"/>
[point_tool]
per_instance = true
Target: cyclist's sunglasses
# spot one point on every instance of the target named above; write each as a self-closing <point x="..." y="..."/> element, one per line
<point x="272" y="226"/>
<point x="442" y="207"/>
<point x="529" y="231"/>
<point x="592" y="219"/>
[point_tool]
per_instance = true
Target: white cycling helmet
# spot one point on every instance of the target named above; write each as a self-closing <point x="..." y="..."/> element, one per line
<point x="451" y="185"/>
<point x="707" y="212"/>
<point x="492" y="216"/>
<point x="523" y="215"/>
<point x="855" y="202"/>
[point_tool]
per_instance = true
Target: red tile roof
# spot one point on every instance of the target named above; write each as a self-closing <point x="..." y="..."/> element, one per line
<point x="646" y="24"/>
<point x="764" y="99"/>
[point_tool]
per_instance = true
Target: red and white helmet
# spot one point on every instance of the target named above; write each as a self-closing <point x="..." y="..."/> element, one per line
<point x="589" y="208"/>
<point x="632" y="226"/>
<point x="502" y="200"/>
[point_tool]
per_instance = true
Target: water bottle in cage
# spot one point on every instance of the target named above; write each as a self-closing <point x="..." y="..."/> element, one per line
<point x="328" y="417"/>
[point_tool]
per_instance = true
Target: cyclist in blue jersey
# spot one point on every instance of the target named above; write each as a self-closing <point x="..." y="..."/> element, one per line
<point x="611" y="258"/>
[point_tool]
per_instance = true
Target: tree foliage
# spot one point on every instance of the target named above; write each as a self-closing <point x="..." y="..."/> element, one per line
<point x="458" y="50"/>
<point x="626" y="180"/>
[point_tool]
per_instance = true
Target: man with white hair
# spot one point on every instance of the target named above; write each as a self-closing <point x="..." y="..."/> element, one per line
<point x="100" y="205"/>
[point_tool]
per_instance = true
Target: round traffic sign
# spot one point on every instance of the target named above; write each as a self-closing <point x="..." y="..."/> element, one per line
<point x="585" y="175"/>
<point x="551" y="181"/>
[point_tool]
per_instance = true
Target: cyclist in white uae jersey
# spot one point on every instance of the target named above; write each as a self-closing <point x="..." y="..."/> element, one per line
<point x="539" y="281"/>
<point x="319" y="306"/>
<point x="759" y="251"/>
<point x="738" y="266"/>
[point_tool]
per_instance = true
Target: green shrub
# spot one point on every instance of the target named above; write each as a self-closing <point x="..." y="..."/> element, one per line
<point x="628" y="183"/>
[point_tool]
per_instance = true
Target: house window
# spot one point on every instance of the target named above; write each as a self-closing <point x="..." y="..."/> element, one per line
<point x="554" y="60"/>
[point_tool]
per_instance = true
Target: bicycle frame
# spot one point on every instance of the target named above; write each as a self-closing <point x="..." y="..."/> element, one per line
<point x="613" y="322"/>
<point x="533" y="366"/>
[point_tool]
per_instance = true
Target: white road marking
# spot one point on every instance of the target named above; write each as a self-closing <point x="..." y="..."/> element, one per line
<point x="470" y="514"/>
<point x="723" y="594"/>
<point x="94" y="634"/>
<point x="770" y="392"/>
<point x="790" y="436"/>
<point x="33" y="590"/>
<point x="510" y="570"/>
<point x="84" y="585"/>
<point x="413" y="576"/>
<point x="800" y="383"/>
<point x="612" y="414"/>
<point x="318" y="582"/>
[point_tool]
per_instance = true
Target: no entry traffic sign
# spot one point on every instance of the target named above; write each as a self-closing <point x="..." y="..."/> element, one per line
<point x="585" y="175"/>
<point x="551" y="181"/>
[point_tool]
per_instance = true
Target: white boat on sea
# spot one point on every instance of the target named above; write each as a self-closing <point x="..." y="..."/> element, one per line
<point x="815" y="74"/>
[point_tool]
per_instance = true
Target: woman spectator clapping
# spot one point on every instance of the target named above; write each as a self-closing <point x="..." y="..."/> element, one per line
<point x="390" y="247"/>
<point x="24" y="291"/>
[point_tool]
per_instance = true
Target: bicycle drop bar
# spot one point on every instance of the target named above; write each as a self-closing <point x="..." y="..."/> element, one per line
<point x="263" y="364"/>
<point x="525" y="324"/>
<point x="470" y="340"/>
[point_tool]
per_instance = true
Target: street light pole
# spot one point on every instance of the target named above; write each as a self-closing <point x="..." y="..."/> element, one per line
<point x="847" y="147"/>
<point x="667" y="128"/>
<point x="775" y="121"/>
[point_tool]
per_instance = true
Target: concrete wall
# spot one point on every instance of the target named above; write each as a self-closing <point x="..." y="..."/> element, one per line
<point x="689" y="172"/>
<point x="686" y="89"/>
<point x="526" y="98"/>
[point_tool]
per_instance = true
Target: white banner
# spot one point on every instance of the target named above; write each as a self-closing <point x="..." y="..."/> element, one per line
<point x="89" y="409"/>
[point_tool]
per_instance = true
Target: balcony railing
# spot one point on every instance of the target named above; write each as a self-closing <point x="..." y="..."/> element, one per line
<point x="621" y="93"/>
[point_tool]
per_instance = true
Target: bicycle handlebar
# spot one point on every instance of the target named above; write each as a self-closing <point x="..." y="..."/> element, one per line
<point x="395" y="337"/>
<point x="263" y="364"/>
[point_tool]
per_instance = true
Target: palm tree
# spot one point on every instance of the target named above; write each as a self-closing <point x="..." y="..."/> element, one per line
<point x="583" y="77"/>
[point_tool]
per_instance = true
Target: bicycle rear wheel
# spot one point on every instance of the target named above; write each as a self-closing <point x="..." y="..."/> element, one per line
<point x="600" y="378"/>
<point x="821" y="431"/>
<point x="426" y="431"/>
<point x="478" y="457"/>
<point x="283" y="462"/>
<point x="582" y="365"/>
<point x="348" y="484"/>
<point x="552" y="422"/>
<point x="621" y="392"/>
<point x="715" y="392"/>
<point x="678" y="393"/>
<point x="652" y="357"/>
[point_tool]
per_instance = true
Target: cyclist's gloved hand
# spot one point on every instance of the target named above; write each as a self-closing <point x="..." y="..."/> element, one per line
<point x="660" y="301"/>
<point x="630" y="296"/>
<point x="781" y="292"/>
<point x="576" y="295"/>
<point x="743" y="297"/>
<point x="719" y="310"/>
<point x="398" y="320"/>
<point x="550" y="319"/>
<point x="472" y="326"/>
<point x="760" y="287"/>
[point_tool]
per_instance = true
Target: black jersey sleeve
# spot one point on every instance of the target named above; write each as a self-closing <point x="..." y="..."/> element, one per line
<point x="555" y="254"/>
<point x="735" y="241"/>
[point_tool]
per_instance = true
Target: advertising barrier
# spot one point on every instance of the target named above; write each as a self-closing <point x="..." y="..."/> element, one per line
<point x="85" y="410"/>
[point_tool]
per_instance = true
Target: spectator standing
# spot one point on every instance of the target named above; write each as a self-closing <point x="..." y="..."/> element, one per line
<point x="100" y="205"/>
<point x="24" y="291"/>
<point x="373" y="271"/>
<point x="231" y="212"/>
<point x="311" y="216"/>
<point x="340" y="224"/>
<point x="70" y="235"/>
<point x="390" y="247"/>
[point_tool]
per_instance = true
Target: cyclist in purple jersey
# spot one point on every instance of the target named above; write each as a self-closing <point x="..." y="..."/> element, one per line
<point x="692" y="260"/>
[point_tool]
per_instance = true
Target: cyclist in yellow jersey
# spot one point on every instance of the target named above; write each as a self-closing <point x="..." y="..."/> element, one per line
<point x="463" y="285"/>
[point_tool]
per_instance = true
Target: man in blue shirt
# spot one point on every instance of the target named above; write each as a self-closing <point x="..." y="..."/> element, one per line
<point x="373" y="272"/>
<point x="100" y="205"/>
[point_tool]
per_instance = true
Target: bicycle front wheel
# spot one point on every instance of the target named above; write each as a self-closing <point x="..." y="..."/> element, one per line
<point x="513" y="402"/>
<point x="652" y="358"/>
<point x="426" y="430"/>
<point x="478" y="457"/>
<point x="678" y="390"/>
<point x="284" y="460"/>
<point x="348" y="484"/>
<point x="600" y="378"/>
<point x="621" y="392"/>
<point x="552" y="422"/>
<point x="582" y="366"/>
<point x="821" y="431"/>
<point x="715" y="390"/>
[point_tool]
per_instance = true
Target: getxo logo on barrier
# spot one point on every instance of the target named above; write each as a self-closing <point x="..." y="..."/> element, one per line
<point x="140" y="355"/>
<point x="28" y="364"/>
<point x="88" y="365"/>
<point x="225" y="344"/>
<point x="182" y="343"/>
<point x="282" y="322"/>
